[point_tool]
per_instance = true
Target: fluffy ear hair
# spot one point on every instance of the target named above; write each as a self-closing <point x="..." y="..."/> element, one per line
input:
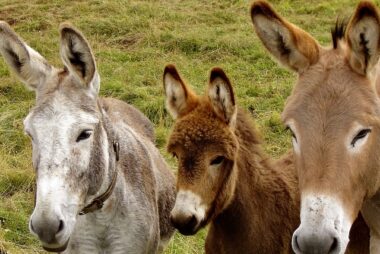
<point x="221" y="96"/>
<point x="179" y="98"/>
<point x="30" y="67"/>
<point x="362" y="36"/>
<point x="77" y="56"/>
<point x="292" y="46"/>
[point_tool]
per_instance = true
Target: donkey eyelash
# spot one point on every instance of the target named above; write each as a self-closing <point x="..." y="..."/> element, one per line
<point x="287" y="128"/>
<point x="29" y="135"/>
<point x="360" y="135"/>
<point x="217" y="160"/>
<point x="85" y="134"/>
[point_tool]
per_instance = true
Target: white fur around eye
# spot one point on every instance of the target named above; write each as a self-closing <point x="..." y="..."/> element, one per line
<point x="214" y="170"/>
<point x="296" y="146"/>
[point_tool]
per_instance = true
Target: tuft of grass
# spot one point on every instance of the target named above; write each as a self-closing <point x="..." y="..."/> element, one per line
<point x="132" y="42"/>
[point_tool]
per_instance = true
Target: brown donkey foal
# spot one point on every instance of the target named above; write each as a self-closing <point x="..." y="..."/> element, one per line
<point x="334" y="114"/>
<point x="224" y="178"/>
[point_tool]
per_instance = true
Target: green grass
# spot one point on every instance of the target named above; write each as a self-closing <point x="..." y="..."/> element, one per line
<point x="132" y="41"/>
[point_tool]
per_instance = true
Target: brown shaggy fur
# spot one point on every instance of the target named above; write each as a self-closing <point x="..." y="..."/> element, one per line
<point x="256" y="206"/>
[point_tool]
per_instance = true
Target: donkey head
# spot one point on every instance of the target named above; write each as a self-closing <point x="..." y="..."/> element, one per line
<point x="333" y="114"/>
<point x="203" y="140"/>
<point x="69" y="154"/>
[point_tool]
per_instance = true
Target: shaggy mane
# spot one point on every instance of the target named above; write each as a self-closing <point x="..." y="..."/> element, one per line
<point x="337" y="32"/>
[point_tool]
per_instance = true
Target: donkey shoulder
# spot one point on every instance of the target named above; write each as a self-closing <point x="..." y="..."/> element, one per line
<point x="120" y="110"/>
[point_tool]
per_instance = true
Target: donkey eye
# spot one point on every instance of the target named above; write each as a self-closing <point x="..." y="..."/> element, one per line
<point x="362" y="134"/>
<point x="291" y="132"/>
<point x="217" y="160"/>
<point x="84" y="135"/>
<point x="29" y="135"/>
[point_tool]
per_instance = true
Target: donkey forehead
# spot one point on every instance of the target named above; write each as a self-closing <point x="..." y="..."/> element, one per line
<point x="60" y="107"/>
<point x="200" y="129"/>
<point x="330" y="92"/>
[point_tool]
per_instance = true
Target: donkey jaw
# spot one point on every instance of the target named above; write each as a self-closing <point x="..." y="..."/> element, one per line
<point x="324" y="226"/>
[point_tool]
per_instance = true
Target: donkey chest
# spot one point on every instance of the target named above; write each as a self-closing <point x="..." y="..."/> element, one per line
<point x="109" y="235"/>
<point x="251" y="228"/>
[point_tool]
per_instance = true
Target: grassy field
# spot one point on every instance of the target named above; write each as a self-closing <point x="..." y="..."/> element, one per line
<point x="132" y="41"/>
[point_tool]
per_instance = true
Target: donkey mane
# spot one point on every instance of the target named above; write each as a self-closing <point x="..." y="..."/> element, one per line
<point x="338" y="31"/>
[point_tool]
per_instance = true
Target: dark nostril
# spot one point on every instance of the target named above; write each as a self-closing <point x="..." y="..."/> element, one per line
<point x="296" y="243"/>
<point x="61" y="226"/>
<point x="192" y="222"/>
<point x="334" y="245"/>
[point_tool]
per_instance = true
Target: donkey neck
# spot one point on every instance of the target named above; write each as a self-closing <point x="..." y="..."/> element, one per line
<point x="260" y="189"/>
<point x="105" y="156"/>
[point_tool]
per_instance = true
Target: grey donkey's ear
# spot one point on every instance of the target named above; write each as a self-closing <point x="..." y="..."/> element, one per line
<point x="26" y="63"/>
<point x="221" y="96"/>
<point x="77" y="56"/>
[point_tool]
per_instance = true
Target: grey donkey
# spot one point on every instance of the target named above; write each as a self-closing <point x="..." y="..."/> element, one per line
<point x="101" y="184"/>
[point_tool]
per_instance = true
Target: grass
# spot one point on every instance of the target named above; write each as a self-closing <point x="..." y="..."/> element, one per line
<point x="132" y="41"/>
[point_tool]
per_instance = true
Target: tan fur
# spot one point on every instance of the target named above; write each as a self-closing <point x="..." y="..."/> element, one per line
<point x="331" y="97"/>
<point x="288" y="43"/>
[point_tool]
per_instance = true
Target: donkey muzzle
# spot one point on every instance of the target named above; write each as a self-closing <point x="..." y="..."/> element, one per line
<point x="48" y="229"/>
<point x="187" y="224"/>
<point x="311" y="242"/>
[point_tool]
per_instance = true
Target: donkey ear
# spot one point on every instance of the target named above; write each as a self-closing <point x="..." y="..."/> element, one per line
<point x="363" y="33"/>
<point x="77" y="56"/>
<point x="222" y="96"/>
<point x="289" y="44"/>
<point x="29" y="66"/>
<point x="179" y="98"/>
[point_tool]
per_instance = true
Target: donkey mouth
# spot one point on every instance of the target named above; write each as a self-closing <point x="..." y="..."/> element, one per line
<point x="57" y="249"/>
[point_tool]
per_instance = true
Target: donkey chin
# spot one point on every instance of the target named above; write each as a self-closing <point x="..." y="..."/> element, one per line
<point x="57" y="247"/>
<point x="324" y="227"/>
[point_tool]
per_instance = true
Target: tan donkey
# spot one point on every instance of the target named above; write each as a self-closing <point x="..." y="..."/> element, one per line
<point x="224" y="179"/>
<point x="334" y="115"/>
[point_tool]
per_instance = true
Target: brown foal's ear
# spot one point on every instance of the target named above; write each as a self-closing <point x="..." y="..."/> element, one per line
<point x="77" y="56"/>
<point x="362" y="36"/>
<point x="180" y="99"/>
<point x="289" y="44"/>
<point x="221" y="95"/>
<point x="30" y="67"/>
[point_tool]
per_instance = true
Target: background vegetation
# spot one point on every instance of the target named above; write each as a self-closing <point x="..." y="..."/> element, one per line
<point x="132" y="41"/>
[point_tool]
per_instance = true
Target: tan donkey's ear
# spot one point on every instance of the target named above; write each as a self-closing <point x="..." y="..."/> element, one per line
<point x="362" y="35"/>
<point x="179" y="98"/>
<point x="222" y="96"/>
<point x="30" y="67"/>
<point x="77" y="56"/>
<point x="289" y="44"/>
